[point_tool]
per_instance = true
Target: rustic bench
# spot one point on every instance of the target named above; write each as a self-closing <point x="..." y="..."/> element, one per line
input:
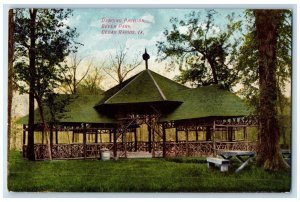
<point x="218" y="162"/>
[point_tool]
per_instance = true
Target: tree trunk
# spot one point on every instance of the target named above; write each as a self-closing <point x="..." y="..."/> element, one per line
<point x="32" y="56"/>
<point x="45" y="127"/>
<point x="10" y="74"/>
<point x="267" y="24"/>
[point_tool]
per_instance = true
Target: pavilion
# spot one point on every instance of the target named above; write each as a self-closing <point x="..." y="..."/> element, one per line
<point x="163" y="106"/>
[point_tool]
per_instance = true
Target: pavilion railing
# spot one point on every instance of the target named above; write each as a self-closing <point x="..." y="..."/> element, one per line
<point x="172" y="149"/>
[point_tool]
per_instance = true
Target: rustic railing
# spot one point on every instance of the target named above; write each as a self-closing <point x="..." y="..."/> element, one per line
<point x="172" y="149"/>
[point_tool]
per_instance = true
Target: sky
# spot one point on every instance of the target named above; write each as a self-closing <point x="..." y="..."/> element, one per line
<point x="104" y="31"/>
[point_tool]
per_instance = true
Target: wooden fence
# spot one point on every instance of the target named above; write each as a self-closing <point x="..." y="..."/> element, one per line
<point x="172" y="149"/>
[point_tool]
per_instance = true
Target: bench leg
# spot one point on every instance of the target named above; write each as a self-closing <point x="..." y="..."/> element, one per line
<point x="243" y="165"/>
<point x="224" y="168"/>
<point x="209" y="165"/>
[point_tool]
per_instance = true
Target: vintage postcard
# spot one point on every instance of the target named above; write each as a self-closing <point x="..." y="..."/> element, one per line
<point x="149" y="100"/>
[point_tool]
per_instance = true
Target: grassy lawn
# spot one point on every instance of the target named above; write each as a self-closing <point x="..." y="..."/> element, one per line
<point x="139" y="175"/>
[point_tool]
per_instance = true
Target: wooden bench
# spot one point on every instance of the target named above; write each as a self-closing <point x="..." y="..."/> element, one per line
<point x="218" y="162"/>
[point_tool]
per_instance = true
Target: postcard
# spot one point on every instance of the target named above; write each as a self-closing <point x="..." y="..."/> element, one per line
<point x="149" y="100"/>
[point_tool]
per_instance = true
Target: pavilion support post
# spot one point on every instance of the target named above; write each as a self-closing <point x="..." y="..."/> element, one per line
<point x="43" y="135"/>
<point x="115" y="142"/>
<point x="84" y="140"/>
<point x="197" y="135"/>
<point x="125" y="144"/>
<point x="56" y="136"/>
<point x="214" y="141"/>
<point x="73" y="135"/>
<point x="135" y="139"/>
<point x="176" y="135"/>
<point x="96" y="136"/>
<point x="164" y="140"/>
<point x="101" y="136"/>
<point x="246" y="138"/>
<point x="109" y="136"/>
<point x="149" y="139"/>
<point x="24" y="134"/>
<point x="187" y="141"/>
<point x="208" y="133"/>
<point x="230" y="132"/>
<point x="24" y="140"/>
<point x="51" y="135"/>
<point x="153" y="141"/>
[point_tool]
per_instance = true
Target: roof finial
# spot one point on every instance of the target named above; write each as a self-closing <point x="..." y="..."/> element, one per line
<point x="146" y="57"/>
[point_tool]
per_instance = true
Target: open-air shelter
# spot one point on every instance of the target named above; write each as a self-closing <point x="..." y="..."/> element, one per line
<point x="162" y="106"/>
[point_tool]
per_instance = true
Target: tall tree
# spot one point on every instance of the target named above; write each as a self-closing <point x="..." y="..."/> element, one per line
<point x="204" y="52"/>
<point x="73" y="80"/>
<point x="267" y="24"/>
<point x="248" y="59"/>
<point x="42" y="40"/>
<point x="10" y="74"/>
<point x="121" y="65"/>
<point x="91" y="84"/>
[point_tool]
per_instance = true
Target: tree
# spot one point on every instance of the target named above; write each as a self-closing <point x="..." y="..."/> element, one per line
<point x="120" y="66"/>
<point x="42" y="41"/>
<point x="10" y="75"/>
<point x="71" y="76"/>
<point x="203" y="51"/>
<point x="248" y="59"/>
<point x="267" y="24"/>
<point x="91" y="84"/>
<point x="249" y="76"/>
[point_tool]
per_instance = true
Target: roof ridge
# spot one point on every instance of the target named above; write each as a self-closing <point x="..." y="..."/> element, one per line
<point x="123" y="87"/>
<point x="157" y="86"/>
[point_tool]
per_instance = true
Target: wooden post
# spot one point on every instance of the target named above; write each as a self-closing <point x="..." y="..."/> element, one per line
<point x="246" y="138"/>
<point x="197" y="138"/>
<point x="84" y="140"/>
<point x="24" y="141"/>
<point x="56" y="136"/>
<point x="96" y="136"/>
<point x="115" y="142"/>
<point x="125" y="143"/>
<point x="176" y="135"/>
<point x="135" y="140"/>
<point x="187" y="141"/>
<point x="213" y="138"/>
<point x="164" y="140"/>
<point x="73" y="135"/>
<point x="24" y="134"/>
<point x="149" y="139"/>
<point x="51" y="135"/>
<point x="208" y="133"/>
<point x="110" y="136"/>
<point x="230" y="132"/>
<point x="153" y="141"/>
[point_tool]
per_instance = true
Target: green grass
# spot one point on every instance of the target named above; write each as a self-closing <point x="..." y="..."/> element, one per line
<point x="139" y="175"/>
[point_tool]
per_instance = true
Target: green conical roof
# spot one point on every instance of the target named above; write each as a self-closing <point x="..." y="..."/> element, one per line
<point x="149" y="89"/>
<point x="145" y="87"/>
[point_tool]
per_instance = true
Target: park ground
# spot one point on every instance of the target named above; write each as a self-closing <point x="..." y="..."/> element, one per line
<point x="139" y="175"/>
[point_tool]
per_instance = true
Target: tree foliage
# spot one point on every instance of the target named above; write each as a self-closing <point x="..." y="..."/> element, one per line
<point x="248" y="59"/>
<point x="54" y="41"/>
<point x="205" y="53"/>
<point x="42" y="41"/>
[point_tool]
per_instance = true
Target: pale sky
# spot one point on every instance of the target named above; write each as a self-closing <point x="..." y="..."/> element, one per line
<point x="98" y="44"/>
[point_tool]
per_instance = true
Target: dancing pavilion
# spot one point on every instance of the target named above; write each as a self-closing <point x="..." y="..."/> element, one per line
<point x="176" y="121"/>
